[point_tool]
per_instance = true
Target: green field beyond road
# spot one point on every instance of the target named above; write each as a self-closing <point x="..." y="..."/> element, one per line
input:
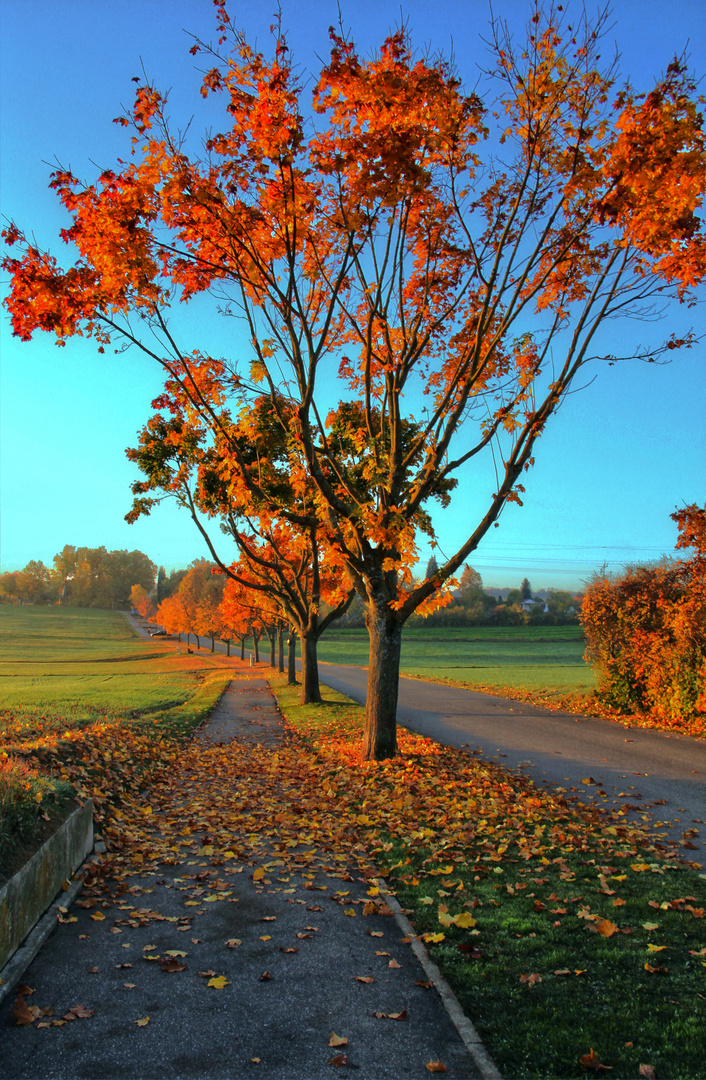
<point x="538" y="658"/>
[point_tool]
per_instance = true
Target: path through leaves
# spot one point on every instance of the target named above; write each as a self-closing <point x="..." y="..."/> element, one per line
<point x="234" y="918"/>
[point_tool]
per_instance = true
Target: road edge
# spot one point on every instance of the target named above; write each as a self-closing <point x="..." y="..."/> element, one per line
<point x="469" y="1036"/>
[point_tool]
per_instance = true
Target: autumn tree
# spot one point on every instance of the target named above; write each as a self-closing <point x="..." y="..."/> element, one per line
<point x="646" y="630"/>
<point x="470" y="586"/>
<point x="32" y="584"/>
<point x="173" y="615"/>
<point x="96" y="577"/>
<point x="284" y="559"/>
<point x="142" y="602"/>
<point x="526" y="589"/>
<point x="411" y="300"/>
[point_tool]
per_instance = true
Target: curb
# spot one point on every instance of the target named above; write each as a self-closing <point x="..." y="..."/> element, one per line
<point x="21" y="959"/>
<point x="36" y="885"/>
<point x="470" y="1037"/>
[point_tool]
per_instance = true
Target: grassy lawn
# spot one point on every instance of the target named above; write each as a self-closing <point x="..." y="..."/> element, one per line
<point x="88" y="708"/>
<point x="533" y="658"/>
<point x="564" y="934"/>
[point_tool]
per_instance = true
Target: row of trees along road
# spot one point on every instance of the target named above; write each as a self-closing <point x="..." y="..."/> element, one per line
<point x="423" y="275"/>
<point x="82" y="577"/>
<point x="208" y="603"/>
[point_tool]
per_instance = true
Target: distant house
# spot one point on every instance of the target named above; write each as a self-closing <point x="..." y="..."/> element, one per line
<point x="534" y="605"/>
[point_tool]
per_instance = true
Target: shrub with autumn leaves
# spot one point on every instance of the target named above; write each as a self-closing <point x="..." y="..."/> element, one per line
<point x="24" y="795"/>
<point x="646" y="631"/>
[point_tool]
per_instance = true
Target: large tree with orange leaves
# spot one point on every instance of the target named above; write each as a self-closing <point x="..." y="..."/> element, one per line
<point x="410" y="302"/>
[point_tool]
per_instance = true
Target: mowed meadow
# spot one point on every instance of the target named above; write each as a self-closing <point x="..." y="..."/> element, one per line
<point x="87" y="709"/>
<point x="82" y="661"/>
<point x="543" y="661"/>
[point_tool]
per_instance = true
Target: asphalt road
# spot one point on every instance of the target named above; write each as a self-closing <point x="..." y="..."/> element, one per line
<point x="660" y="778"/>
<point x="629" y="765"/>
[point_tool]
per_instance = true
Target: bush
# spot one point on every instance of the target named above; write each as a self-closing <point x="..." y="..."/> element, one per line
<point x="26" y="799"/>
<point x="646" y="631"/>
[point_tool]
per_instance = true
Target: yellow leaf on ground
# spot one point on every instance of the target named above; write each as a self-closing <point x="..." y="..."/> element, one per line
<point x="143" y="1021"/>
<point x="337" y="1040"/>
<point x="218" y="983"/>
<point x="464" y="920"/>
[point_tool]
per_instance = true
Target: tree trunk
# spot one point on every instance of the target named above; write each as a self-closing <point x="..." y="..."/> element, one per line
<point x="280" y="649"/>
<point x="242" y="648"/>
<point x="256" y="643"/>
<point x="213" y="644"/>
<point x="310" y="671"/>
<point x="380" y="737"/>
<point x="198" y="641"/>
<point x="292" y="659"/>
<point x="228" y="646"/>
<point x="273" y="641"/>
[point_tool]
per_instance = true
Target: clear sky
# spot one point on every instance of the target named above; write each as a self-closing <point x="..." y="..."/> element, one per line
<point x="612" y="465"/>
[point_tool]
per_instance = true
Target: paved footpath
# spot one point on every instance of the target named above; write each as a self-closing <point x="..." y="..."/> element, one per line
<point x="189" y="966"/>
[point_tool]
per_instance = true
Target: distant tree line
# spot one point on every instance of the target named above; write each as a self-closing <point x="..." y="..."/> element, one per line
<point x="81" y="577"/>
<point x="470" y="604"/>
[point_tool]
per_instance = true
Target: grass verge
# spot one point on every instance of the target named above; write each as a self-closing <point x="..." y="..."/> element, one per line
<point x="573" y="944"/>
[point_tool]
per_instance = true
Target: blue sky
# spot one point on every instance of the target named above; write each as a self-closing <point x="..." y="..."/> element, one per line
<point x="612" y="465"/>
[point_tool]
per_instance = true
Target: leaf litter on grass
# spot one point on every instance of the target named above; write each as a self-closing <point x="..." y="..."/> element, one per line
<point x="432" y="821"/>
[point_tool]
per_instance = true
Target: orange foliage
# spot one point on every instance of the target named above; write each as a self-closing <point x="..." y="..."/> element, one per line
<point x="372" y="257"/>
<point x="646" y="631"/>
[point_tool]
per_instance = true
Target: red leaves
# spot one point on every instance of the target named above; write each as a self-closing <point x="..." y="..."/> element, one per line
<point x="170" y="964"/>
<point x="79" y="1012"/>
<point x="25" y="1015"/>
<point x="592" y="1061"/>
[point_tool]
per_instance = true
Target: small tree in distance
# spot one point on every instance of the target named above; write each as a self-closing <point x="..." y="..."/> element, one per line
<point x="448" y="298"/>
<point x="142" y="602"/>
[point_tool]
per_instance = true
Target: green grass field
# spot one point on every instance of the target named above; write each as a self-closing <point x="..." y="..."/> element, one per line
<point x="538" y="658"/>
<point x="62" y="657"/>
<point x="75" y="683"/>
